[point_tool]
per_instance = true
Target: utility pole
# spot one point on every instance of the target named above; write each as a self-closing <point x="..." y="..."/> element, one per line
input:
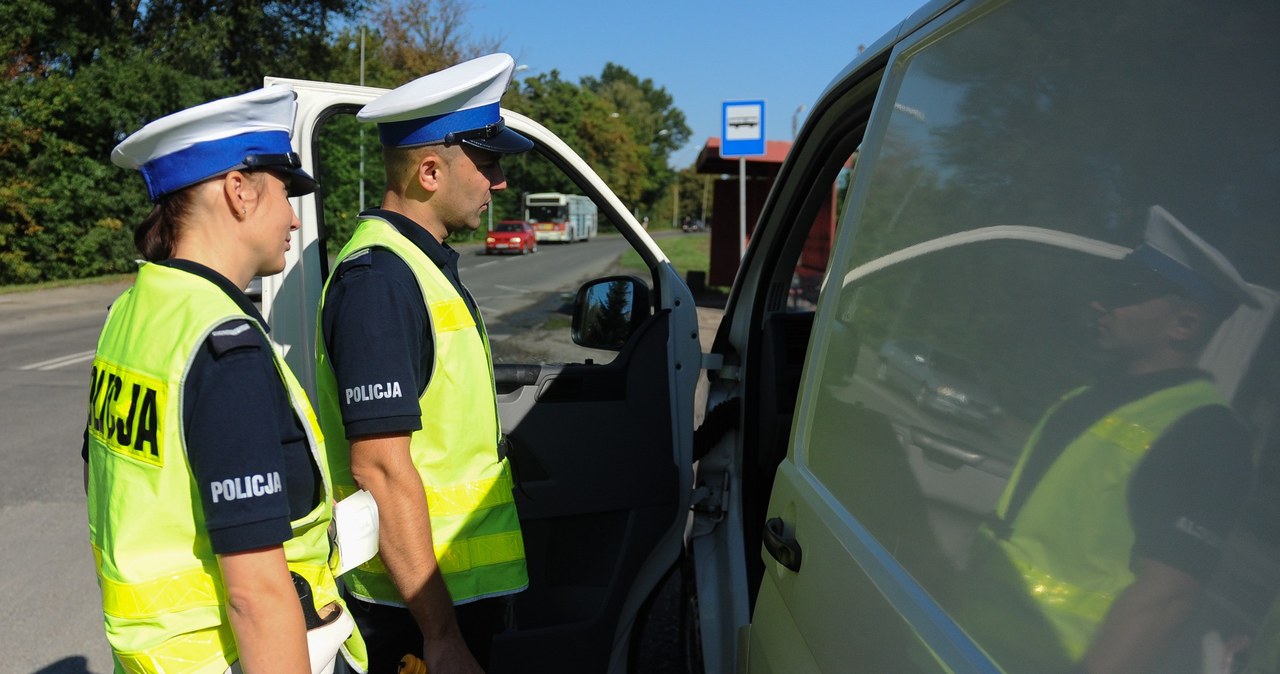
<point x="706" y="186"/>
<point x="675" y="202"/>
<point x="362" y="126"/>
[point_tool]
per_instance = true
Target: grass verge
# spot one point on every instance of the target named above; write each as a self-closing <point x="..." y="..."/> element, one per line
<point x="688" y="252"/>
<point x="63" y="283"/>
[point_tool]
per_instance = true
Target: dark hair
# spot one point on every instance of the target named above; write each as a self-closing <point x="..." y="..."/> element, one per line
<point x="157" y="234"/>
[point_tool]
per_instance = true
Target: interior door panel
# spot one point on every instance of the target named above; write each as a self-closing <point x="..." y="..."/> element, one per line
<point x="596" y="487"/>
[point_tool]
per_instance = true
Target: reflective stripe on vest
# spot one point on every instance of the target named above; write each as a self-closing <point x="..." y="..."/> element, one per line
<point x="475" y="529"/>
<point x="201" y="649"/>
<point x="1068" y="547"/>
<point x="187" y="652"/>
<point x="191" y="589"/>
<point x="163" y="602"/>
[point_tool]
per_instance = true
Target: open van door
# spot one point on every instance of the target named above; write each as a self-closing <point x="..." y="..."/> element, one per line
<point x="988" y="181"/>
<point x="601" y="451"/>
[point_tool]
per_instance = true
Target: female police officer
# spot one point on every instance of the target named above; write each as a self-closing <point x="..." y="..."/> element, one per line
<point x="209" y="499"/>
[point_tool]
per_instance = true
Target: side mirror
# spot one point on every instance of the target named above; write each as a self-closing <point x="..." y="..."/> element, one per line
<point x="608" y="311"/>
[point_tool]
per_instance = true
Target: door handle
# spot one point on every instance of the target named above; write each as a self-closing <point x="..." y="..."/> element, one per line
<point x="781" y="547"/>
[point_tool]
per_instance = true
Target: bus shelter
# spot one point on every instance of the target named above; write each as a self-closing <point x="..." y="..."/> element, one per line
<point x="761" y="173"/>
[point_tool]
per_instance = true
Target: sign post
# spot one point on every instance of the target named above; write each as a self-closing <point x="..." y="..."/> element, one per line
<point x="742" y="136"/>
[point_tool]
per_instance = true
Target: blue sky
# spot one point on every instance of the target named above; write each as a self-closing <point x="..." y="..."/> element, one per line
<point x="703" y="53"/>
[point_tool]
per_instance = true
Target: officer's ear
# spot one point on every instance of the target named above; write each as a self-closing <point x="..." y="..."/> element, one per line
<point x="431" y="166"/>
<point x="239" y="193"/>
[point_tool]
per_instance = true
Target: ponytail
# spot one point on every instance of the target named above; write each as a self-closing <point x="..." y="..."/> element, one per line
<point x="157" y="234"/>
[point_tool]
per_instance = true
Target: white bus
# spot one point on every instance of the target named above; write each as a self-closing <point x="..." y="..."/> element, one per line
<point x="561" y="217"/>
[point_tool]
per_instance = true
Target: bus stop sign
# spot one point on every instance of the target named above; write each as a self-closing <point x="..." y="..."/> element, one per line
<point x="742" y="129"/>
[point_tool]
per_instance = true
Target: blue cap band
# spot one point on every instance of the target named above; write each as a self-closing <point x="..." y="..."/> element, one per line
<point x="1193" y="284"/>
<point x="425" y="130"/>
<point x="189" y="166"/>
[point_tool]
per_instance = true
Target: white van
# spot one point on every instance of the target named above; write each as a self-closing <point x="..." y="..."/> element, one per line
<point x="1005" y="155"/>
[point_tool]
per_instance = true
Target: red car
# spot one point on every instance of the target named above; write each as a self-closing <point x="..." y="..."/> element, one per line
<point x="511" y="236"/>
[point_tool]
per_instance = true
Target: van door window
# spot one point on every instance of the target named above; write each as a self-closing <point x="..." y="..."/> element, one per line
<point x="812" y="262"/>
<point x="524" y="292"/>
<point x="1044" y="371"/>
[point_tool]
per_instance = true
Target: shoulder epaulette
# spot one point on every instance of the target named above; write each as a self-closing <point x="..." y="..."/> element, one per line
<point x="232" y="335"/>
<point x="362" y="259"/>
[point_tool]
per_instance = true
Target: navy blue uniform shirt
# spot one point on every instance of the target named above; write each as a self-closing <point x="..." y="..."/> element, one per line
<point x="239" y="423"/>
<point x="377" y="332"/>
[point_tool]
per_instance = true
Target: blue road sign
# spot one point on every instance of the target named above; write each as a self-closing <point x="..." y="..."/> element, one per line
<point x="742" y="129"/>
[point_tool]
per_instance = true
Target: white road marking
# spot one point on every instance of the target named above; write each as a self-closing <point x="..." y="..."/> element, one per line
<point x="61" y="361"/>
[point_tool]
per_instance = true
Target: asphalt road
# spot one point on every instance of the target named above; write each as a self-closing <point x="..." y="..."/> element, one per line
<point x="506" y="284"/>
<point x="52" y="616"/>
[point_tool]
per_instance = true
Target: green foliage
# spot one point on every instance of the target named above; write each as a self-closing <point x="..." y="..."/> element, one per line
<point x="688" y="195"/>
<point x="657" y="127"/>
<point x="404" y="40"/>
<point x="339" y="175"/>
<point x="624" y="127"/>
<point x="81" y="75"/>
<point x="583" y="121"/>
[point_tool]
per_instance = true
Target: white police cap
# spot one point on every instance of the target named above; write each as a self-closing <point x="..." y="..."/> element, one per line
<point x="249" y="131"/>
<point x="455" y="105"/>
<point x="1198" y="269"/>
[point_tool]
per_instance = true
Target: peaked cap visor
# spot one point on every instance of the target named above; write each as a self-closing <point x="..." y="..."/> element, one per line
<point x="297" y="181"/>
<point x="502" y="141"/>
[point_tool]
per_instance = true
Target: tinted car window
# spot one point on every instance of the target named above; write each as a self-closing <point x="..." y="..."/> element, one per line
<point x="981" y="393"/>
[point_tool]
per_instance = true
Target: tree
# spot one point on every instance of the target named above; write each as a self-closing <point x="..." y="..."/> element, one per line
<point x="623" y="127"/>
<point x="657" y="127"/>
<point x="583" y="121"/>
<point x="80" y="75"/>
<point x="691" y="186"/>
<point x="405" y="40"/>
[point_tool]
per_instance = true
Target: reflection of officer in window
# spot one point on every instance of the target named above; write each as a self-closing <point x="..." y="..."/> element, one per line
<point x="1115" y="514"/>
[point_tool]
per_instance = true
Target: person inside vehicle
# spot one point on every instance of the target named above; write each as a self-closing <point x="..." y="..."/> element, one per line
<point x="209" y="501"/>
<point x="405" y="380"/>
<point x="1117" y="510"/>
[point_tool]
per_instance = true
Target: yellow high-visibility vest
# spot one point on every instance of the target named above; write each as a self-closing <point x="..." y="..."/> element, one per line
<point x="163" y="598"/>
<point x="474" y="526"/>
<point x="1039" y="592"/>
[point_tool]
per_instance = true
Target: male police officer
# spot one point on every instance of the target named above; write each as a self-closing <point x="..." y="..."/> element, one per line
<point x="1116" y="512"/>
<point x="406" y="378"/>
